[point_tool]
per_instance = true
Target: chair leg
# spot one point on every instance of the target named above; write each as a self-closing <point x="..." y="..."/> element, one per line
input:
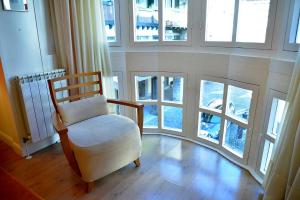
<point x="137" y="162"/>
<point x="89" y="186"/>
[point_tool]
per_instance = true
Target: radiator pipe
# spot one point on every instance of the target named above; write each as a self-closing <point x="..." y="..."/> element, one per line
<point x="25" y="141"/>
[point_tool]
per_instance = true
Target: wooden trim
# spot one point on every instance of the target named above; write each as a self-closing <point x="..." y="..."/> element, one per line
<point x="138" y="106"/>
<point x="89" y="186"/>
<point x="76" y="86"/>
<point x="75" y="76"/>
<point x="52" y="94"/>
<point x="126" y="103"/>
<point x="63" y="135"/>
<point x="87" y="94"/>
<point x="137" y="162"/>
<point x="100" y="83"/>
<point x="140" y="117"/>
<point x="58" y="124"/>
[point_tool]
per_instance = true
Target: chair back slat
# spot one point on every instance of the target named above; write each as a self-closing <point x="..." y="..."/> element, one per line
<point x="76" y="86"/>
<point x="76" y="76"/>
<point x="78" y="96"/>
<point x="78" y="82"/>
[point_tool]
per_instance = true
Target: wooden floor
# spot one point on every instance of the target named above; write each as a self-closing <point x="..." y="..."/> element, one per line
<point x="170" y="169"/>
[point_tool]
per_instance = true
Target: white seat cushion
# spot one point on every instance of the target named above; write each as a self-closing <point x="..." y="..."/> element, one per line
<point x="83" y="109"/>
<point x="104" y="144"/>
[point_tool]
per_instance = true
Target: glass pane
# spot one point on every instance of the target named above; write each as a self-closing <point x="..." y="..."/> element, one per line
<point x="172" y="118"/>
<point x="298" y="33"/>
<point x="116" y="91"/>
<point x="150" y="116"/>
<point x="146" y="20"/>
<point x="211" y="95"/>
<point x="235" y="137"/>
<point x="238" y="102"/>
<point x="266" y="156"/>
<point x="209" y="126"/>
<point x="252" y="20"/>
<point x="276" y="116"/>
<point x="219" y="20"/>
<point x="116" y="86"/>
<point x="110" y="22"/>
<point x="175" y="19"/>
<point x="146" y="87"/>
<point x="172" y="89"/>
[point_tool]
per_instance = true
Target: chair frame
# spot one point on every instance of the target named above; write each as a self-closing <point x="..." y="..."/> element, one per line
<point x="58" y="123"/>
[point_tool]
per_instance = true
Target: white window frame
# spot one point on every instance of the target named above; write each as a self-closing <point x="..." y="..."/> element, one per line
<point x="233" y="43"/>
<point x="249" y="125"/>
<point x="292" y="26"/>
<point x="159" y="102"/>
<point x="116" y="43"/>
<point x="160" y="41"/>
<point x="265" y="136"/>
<point x="119" y="74"/>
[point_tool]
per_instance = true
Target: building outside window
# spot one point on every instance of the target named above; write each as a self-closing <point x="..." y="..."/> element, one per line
<point x="226" y="115"/>
<point x="146" y="91"/>
<point x="162" y="95"/>
<point x="173" y="21"/>
<point x="111" y="17"/>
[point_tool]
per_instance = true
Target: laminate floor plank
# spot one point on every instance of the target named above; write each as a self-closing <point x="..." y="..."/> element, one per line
<point x="170" y="168"/>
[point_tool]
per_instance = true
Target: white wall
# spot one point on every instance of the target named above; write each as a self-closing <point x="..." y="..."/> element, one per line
<point x="20" y="42"/>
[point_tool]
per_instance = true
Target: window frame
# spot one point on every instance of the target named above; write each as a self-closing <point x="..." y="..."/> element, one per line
<point x="159" y="102"/>
<point x="233" y="44"/>
<point x="116" y="43"/>
<point x="291" y="27"/>
<point x="265" y="136"/>
<point x="160" y="41"/>
<point x="249" y="125"/>
<point x="119" y="74"/>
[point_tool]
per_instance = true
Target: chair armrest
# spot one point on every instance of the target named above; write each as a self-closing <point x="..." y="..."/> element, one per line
<point x="58" y="124"/>
<point x="138" y="106"/>
<point x="126" y="103"/>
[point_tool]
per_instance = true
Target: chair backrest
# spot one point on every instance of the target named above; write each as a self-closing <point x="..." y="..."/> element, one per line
<point x="75" y="83"/>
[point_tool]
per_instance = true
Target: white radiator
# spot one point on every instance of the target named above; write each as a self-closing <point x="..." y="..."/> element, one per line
<point x="37" y="104"/>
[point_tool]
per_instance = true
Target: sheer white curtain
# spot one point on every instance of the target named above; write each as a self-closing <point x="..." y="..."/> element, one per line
<point x="283" y="177"/>
<point x="80" y="39"/>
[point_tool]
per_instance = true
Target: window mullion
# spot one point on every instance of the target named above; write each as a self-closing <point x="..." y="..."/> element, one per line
<point x="159" y="101"/>
<point x="160" y="19"/>
<point x="222" y="129"/>
<point x="235" y="21"/>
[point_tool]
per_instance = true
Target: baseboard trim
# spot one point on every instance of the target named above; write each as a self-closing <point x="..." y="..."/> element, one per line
<point x="9" y="141"/>
<point x="251" y="171"/>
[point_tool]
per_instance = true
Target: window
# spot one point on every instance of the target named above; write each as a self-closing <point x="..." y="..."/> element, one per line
<point x="146" y="92"/>
<point x="292" y="37"/>
<point x="163" y="100"/>
<point x="276" y="117"/>
<point x="118" y="92"/>
<point x="175" y="20"/>
<point x="224" y="114"/>
<point x="172" y="102"/>
<point x="160" y="20"/>
<point x="111" y="12"/>
<point x="238" y="23"/>
<point x="273" y="124"/>
<point x="266" y="156"/>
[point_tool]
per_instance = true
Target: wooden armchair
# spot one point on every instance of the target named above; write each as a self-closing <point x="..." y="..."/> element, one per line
<point x="94" y="142"/>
